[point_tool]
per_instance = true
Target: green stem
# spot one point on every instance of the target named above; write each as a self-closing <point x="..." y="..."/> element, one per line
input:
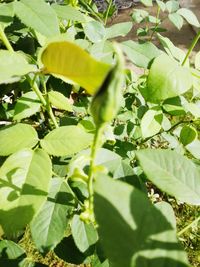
<point x="189" y="226"/>
<point x="157" y="23"/>
<point x="94" y="148"/>
<point x="192" y="46"/>
<point x="107" y="11"/>
<point x="50" y="112"/>
<point x="5" y="40"/>
<point x="167" y="131"/>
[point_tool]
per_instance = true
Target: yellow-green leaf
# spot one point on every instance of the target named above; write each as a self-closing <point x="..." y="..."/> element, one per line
<point x="59" y="101"/>
<point x="74" y="65"/>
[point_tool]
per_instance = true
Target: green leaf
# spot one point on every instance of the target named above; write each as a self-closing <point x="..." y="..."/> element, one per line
<point x="151" y="123"/>
<point x="188" y="135"/>
<point x="74" y="65"/>
<point x="11" y="254"/>
<point x="6" y="14"/>
<point x="189" y="16"/>
<point x="161" y="4"/>
<point x="172" y="173"/>
<point x="146" y="2"/>
<point x="134" y="227"/>
<point x="38" y="15"/>
<point x="172" y="50"/>
<point x="27" y="105"/>
<point x="59" y="101"/>
<point x="192" y="108"/>
<point x="119" y="29"/>
<point x="16" y="137"/>
<point x="68" y="13"/>
<point x="140" y="54"/>
<point x="173" y="106"/>
<point x="172" y="6"/>
<point x="95" y="31"/>
<point x="66" y="140"/>
<point x="194" y="149"/>
<point x="176" y="19"/>
<point x="167" y="79"/>
<point x="197" y="61"/>
<point x="49" y="226"/>
<point x="13" y="65"/>
<point x="68" y="251"/>
<point x="84" y="234"/>
<point x="13" y="251"/>
<point x="24" y="183"/>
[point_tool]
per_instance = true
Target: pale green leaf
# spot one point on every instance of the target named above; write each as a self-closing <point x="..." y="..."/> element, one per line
<point x="37" y="15"/>
<point x="151" y="123"/>
<point x="49" y="226"/>
<point x="16" y="137"/>
<point x="74" y="65"/>
<point x="24" y="183"/>
<point x="176" y="19"/>
<point x="146" y="2"/>
<point x="189" y="16"/>
<point x="95" y="31"/>
<point x="172" y="6"/>
<point x="194" y="149"/>
<point x="167" y="79"/>
<point x="161" y="4"/>
<point x="193" y="109"/>
<point x="66" y="140"/>
<point x="59" y="101"/>
<point x="6" y="14"/>
<point x="140" y="54"/>
<point x="172" y="173"/>
<point x="27" y="105"/>
<point x="12" y="66"/>
<point x="134" y="227"/>
<point x="119" y="29"/>
<point x="69" y="13"/>
<point x="85" y="235"/>
<point x="172" y="50"/>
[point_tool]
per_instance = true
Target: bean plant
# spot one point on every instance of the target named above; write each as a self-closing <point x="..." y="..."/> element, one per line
<point x="84" y="140"/>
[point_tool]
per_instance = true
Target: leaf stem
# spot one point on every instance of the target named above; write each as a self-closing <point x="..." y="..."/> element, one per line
<point x="5" y="40"/>
<point x="107" y="11"/>
<point x="189" y="226"/>
<point x="157" y="24"/>
<point x="94" y="148"/>
<point x="192" y="46"/>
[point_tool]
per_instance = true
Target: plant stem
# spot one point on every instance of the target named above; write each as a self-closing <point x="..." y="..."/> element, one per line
<point x="189" y="226"/>
<point x="107" y="11"/>
<point x="5" y="40"/>
<point x="192" y="46"/>
<point x="157" y="23"/>
<point x="94" y="148"/>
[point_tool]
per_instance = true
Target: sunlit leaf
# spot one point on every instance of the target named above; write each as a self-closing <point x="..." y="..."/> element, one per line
<point x="24" y="183"/>
<point x="66" y="140"/>
<point x="16" y="137"/>
<point x="12" y="66"/>
<point x="172" y="173"/>
<point x="71" y="63"/>
<point x="37" y="15"/>
<point x="167" y="79"/>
